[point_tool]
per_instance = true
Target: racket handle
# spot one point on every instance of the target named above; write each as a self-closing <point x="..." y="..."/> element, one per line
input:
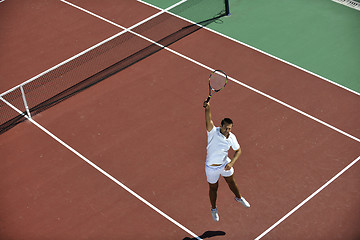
<point x="208" y="99"/>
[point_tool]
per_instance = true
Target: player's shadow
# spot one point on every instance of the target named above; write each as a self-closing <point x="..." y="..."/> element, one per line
<point x="208" y="234"/>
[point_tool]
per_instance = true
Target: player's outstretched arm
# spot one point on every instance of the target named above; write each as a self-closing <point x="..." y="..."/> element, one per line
<point x="209" y="122"/>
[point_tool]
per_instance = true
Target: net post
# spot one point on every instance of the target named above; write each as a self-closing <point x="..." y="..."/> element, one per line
<point x="227" y="8"/>
<point x="25" y="103"/>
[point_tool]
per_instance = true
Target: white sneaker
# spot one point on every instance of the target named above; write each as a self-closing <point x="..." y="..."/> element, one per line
<point x="215" y="215"/>
<point x="243" y="201"/>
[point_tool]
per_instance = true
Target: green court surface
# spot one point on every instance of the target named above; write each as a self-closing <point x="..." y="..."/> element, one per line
<point x="320" y="36"/>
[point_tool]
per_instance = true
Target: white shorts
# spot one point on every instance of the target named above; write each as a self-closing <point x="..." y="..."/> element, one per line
<point x="213" y="172"/>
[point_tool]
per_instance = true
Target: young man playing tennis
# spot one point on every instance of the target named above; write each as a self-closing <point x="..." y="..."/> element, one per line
<point x="220" y="139"/>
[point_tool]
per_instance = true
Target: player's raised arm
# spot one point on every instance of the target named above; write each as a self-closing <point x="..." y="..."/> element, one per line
<point x="209" y="122"/>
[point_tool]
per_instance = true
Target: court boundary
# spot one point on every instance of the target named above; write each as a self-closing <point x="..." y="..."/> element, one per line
<point x="155" y="208"/>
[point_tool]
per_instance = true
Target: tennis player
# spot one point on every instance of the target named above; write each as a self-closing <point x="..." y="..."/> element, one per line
<point x="220" y="139"/>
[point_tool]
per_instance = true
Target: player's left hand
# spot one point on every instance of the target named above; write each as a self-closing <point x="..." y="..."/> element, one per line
<point x="228" y="166"/>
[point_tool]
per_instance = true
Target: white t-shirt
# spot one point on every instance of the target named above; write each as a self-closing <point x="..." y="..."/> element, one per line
<point x="218" y="146"/>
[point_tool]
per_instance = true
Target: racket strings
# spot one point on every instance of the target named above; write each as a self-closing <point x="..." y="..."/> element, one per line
<point x="218" y="80"/>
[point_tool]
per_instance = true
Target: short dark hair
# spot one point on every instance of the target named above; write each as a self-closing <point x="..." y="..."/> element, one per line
<point x="227" y="121"/>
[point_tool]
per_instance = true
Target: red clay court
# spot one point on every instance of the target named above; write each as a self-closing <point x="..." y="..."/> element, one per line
<point x="124" y="159"/>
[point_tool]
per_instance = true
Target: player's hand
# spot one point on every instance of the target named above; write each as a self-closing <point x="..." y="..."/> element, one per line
<point x="228" y="166"/>
<point x="206" y="104"/>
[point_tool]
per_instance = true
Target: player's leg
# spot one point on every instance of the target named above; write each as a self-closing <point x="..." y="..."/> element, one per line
<point x="213" y="188"/>
<point x="230" y="180"/>
<point x="232" y="185"/>
<point x="212" y="176"/>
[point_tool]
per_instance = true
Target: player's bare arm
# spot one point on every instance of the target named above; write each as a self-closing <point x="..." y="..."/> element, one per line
<point x="233" y="160"/>
<point x="209" y="122"/>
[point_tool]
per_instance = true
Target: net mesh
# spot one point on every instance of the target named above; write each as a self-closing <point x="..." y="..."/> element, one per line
<point x="108" y="58"/>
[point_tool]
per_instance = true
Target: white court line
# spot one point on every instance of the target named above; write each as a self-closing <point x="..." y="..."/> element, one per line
<point x="307" y="199"/>
<point x="103" y="172"/>
<point x="240" y="83"/>
<point x="117" y="25"/>
<point x="258" y="50"/>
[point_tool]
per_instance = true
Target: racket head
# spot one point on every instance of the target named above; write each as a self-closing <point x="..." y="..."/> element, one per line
<point x="218" y="80"/>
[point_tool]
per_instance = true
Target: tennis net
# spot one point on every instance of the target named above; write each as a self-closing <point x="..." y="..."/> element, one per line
<point x="106" y="58"/>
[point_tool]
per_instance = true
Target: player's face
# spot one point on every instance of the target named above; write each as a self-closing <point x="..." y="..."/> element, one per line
<point x="225" y="129"/>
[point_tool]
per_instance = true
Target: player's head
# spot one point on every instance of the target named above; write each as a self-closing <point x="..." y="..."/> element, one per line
<point x="226" y="125"/>
<point x="226" y="121"/>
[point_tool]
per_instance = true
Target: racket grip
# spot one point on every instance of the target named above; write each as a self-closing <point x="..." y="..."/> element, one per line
<point x="208" y="99"/>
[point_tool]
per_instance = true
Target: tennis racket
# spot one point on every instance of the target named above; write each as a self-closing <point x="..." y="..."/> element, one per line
<point x="217" y="81"/>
